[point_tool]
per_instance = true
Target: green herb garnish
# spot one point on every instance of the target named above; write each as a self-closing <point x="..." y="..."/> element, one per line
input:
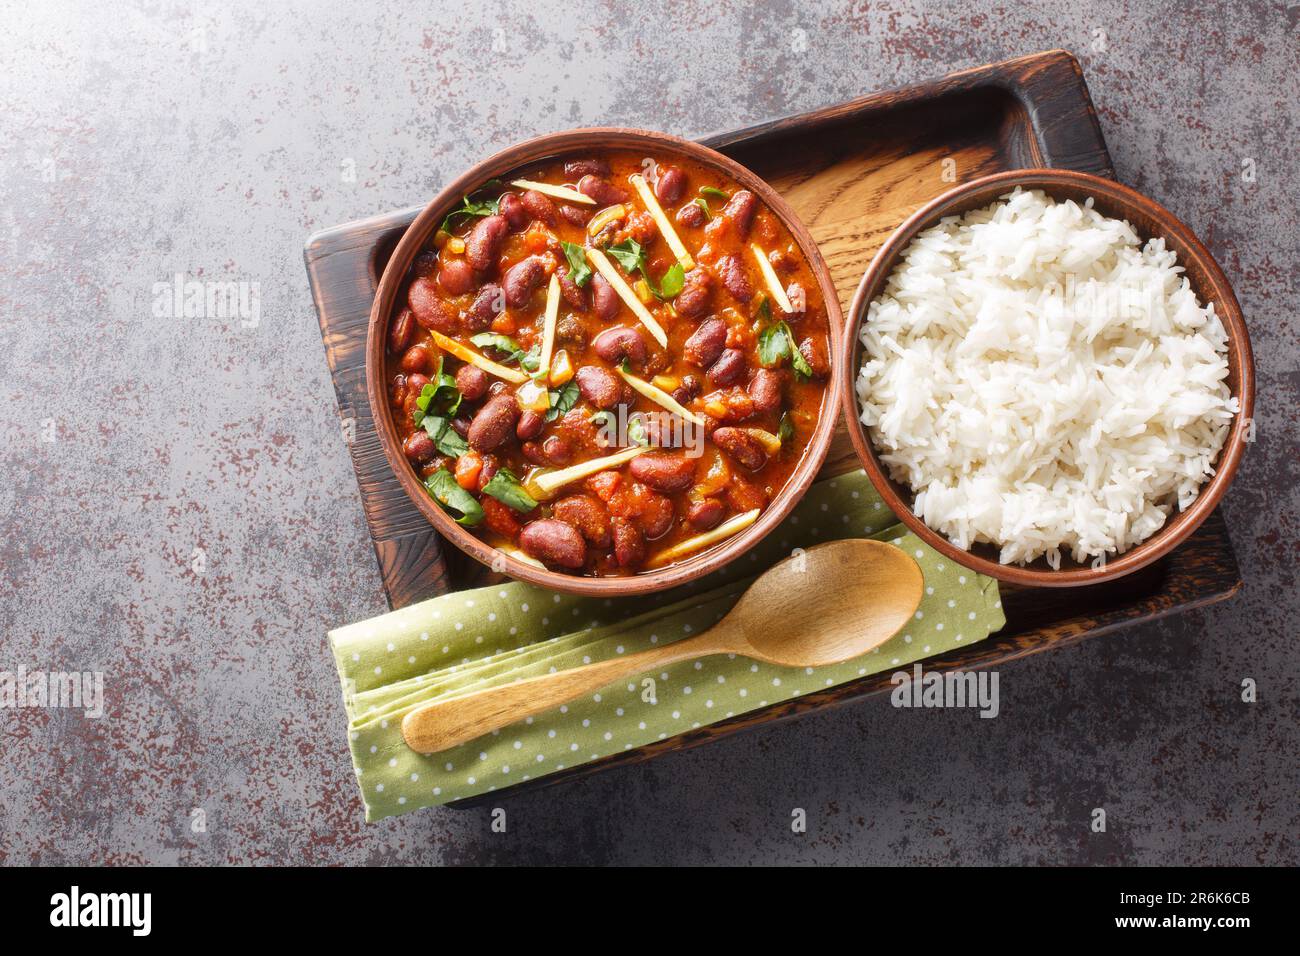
<point x="704" y="205"/>
<point x="671" y="284"/>
<point x="802" y="370"/>
<point x="785" y="430"/>
<point x="776" y="342"/>
<point x="470" y="208"/>
<point x="636" y="432"/>
<point x="773" y="344"/>
<point x="505" y="488"/>
<point x="714" y="192"/>
<point x="440" y="395"/>
<point x="435" y="407"/>
<point x="444" y="436"/>
<point x="579" y="271"/>
<point x="631" y="256"/>
<point x="562" y="401"/>
<point x="512" y="350"/>
<point x="454" y="499"/>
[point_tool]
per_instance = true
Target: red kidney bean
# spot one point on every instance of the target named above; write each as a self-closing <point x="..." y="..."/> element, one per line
<point x="456" y="276"/>
<point x="599" y="386"/>
<point x="670" y="185"/>
<point x="552" y="541"/>
<point x="689" y="388"/>
<point x="539" y="206"/>
<point x="576" y="215"/>
<point x="425" y="264"/>
<point x="485" y="473"/>
<point x="417" y="358"/>
<point x="588" y="515"/>
<point x="419" y="447"/>
<point x="460" y="425"/>
<point x="493" y="423"/>
<point x="604" y="299"/>
<point x="571" y="332"/>
<point x="556" y="450"/>
<point x="614" y="345"/>
<point x="663" y="472"/>
<point x="697" y="289"/>
<point x="487" y="304"/>
<point x="472" y="381"/>
<point x="415" y="383"/>
<point x="483" y="245"/>
<point x="765" y="390"/>
<point x="533" y="452"/>
<point x="577" y="168"/>
<point x="732" y="274"/>
<point x="512" y="207"/>
<point x="728" y="369"/>
<point x="814" y="353"/>
<point x="605" y="193"/>
<point x="741" y="446"/>
<point x="428" y="307"/>
<point x="399" y="332"/>
<point x="522" y="279"/>
<point x="740" y="209"/>
<point x="691" y="216"/>
<point x="529" y="426"/>
<point x="706" y="514"/>
<point x="659" y="433"/>
<point x="577" y="296"/>
<point x="397" y="390"/>
<point x="629" y="543"/>
<point x="706" y="343"/>
<point x="656" y="517"/>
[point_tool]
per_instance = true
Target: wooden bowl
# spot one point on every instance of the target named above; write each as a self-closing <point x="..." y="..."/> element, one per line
<point x="417" y="238"/>
<point x="1149" y="219"/>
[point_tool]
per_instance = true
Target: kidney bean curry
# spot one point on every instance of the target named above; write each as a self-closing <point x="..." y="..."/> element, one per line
<point x="608" y="364"/>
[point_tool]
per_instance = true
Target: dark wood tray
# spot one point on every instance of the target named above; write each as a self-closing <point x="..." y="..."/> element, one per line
<point x="852" y="172"/>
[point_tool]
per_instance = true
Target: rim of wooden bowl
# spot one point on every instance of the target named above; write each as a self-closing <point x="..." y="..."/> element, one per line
<point x="1149" y="219"/>
<point x="555" y="145"/>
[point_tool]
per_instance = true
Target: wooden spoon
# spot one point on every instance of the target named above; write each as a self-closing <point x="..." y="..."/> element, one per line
<point x="830" y="603"/>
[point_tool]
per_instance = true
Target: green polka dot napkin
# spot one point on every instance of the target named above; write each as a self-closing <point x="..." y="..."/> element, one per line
<point x="452" y="644"/>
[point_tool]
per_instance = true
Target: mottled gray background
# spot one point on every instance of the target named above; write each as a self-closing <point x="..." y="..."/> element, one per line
<point x="141" y="140"/>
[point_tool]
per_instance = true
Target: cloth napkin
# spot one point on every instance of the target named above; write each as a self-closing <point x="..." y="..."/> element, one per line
<point x="465" y="640"/>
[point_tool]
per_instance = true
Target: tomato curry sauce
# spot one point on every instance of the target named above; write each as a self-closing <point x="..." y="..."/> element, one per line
<point x="608" y="363"/>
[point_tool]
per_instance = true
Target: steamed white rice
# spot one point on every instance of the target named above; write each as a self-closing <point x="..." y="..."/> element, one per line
<point x="1043" y="381"/>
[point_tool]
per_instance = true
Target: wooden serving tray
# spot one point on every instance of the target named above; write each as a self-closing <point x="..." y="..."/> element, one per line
<point x="853" y="173"/>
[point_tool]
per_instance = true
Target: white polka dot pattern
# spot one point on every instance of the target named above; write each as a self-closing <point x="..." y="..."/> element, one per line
<point x="472" y="639"/>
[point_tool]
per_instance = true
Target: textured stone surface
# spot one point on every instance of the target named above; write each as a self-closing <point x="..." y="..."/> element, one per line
<point x="139" y="143"/>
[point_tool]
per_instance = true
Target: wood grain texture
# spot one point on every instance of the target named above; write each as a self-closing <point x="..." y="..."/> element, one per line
<point x="852" y="172"/>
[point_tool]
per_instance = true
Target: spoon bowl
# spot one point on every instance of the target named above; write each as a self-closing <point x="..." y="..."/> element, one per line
<point x="828" y="604"/>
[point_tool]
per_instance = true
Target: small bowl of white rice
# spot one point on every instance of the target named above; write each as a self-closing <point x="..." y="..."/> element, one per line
<point x="1048" y="377"/>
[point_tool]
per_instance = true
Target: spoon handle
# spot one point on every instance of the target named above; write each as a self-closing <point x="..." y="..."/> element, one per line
<point x="446" y="723"/>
